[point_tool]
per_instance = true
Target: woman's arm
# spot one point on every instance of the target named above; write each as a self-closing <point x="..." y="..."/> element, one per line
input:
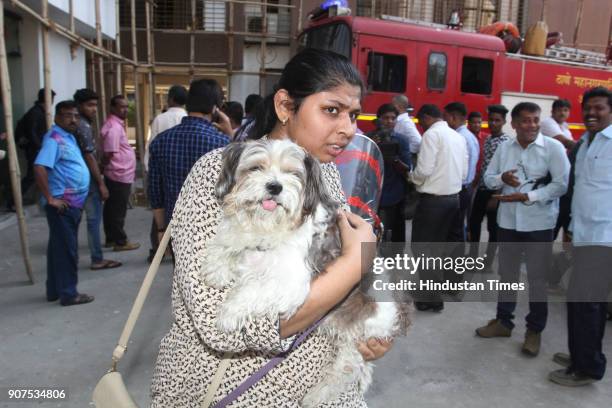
<point x="340" y="276"/>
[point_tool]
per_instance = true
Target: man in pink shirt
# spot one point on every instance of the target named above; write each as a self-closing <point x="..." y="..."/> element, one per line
<point x="119" y="162"/>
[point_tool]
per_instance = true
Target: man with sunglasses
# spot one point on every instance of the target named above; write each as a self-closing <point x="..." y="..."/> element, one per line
<point x="63" y="179"/>
<point x="532" y="172"/>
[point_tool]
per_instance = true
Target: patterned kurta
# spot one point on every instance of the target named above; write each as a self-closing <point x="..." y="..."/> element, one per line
<point x="190" y="353"/>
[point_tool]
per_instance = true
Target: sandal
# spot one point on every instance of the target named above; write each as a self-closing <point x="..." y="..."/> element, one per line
<point x="79" y="299"/>
<point x="105" y="264"/>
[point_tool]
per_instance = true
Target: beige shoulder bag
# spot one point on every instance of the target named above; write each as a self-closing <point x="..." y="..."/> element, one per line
<point x="111" y="392"/>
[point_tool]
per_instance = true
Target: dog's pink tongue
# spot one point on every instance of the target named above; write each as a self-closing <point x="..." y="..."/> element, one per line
<point x="269" y="205"/>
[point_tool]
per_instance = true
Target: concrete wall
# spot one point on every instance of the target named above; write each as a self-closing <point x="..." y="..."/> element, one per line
<point x="67" y="73"/>
<point x="242" y="85"/>
<point x="85" y="12"/>
<point x="31" y="60"/>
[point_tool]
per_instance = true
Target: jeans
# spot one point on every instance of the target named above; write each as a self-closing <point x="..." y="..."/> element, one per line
<point x="93" y="210"/>
<point x="62" y="252"/>
<point x="537" y="257"/>
<point x="115" y="210"/>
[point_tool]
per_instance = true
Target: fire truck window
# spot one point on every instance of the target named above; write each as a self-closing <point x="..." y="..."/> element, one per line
<point x="436" y="71"/>
<point x="333" y="37"/>
<point x="477" y="76"/>
<point x="387" y="73"/>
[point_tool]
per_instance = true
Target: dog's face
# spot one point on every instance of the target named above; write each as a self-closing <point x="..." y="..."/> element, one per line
<point x="269" y="184"/>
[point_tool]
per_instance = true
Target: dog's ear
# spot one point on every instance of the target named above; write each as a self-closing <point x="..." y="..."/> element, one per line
<point x="227" y="178"/>
<point x="314" y="190"/>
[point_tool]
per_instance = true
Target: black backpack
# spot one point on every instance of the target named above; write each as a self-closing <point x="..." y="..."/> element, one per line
<point x="21" y="136"/>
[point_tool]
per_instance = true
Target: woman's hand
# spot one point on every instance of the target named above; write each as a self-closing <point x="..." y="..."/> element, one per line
<point x="340" y="277"/>
<point x="354" y="231"/>
<point x="374" y="348"/>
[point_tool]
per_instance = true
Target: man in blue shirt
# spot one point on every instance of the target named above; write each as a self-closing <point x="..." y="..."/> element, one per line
<point x="455" y="114"/>
<point x="173" y="153"/>
<point x="591" y="228"/>
<point x="63" y="179"/>
<point x="396" y="155"/>
<point x="532" y="171"/>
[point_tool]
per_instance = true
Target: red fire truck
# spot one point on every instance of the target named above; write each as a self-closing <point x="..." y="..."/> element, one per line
<point x="432" y="64"/>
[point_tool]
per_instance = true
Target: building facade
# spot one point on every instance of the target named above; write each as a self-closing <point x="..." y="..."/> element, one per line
<point x="67" y="62"/>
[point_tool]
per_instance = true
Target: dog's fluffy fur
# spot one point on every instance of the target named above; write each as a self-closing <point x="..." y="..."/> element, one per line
<point x="279" y="230"/>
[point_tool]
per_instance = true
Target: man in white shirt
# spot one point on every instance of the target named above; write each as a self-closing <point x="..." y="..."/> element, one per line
<point x="438" y="177"/>
<point x="177" y="98"/>
<point x="455" y="114"/>
<point x="556" y="126"/>
<point x="591" y="227"/>
<point x="532" y="172"/>
<point x="405" y="126"/>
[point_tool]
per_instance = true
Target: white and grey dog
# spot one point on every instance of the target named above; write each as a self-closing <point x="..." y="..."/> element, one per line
<point x="278" y="231"/>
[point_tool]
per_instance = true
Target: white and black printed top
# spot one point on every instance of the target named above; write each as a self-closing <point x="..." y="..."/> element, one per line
<point x="490" y="146"/>
<point x="190" y="353"/>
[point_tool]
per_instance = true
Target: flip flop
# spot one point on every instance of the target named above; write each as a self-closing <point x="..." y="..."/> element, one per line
<point x="105" y="264"/>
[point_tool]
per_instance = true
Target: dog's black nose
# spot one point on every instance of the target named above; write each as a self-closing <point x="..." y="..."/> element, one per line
<point x="274" y="187"/>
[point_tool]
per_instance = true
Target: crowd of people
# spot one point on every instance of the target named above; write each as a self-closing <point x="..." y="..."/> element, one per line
<point x="527" y="184"/>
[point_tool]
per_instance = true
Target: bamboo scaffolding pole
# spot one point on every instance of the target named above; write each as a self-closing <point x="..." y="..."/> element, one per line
<point x="139" y="132"/>
<point x="150" y="60"/>
<point x="299" y="17"/>
<point x="192" y="27"/>
<point x="71" y="8"/>
<point x="263" y="4"/>
<point x="578" y="22"/>
<point x="47" y="65"/>
<point x="264" y="50"/>
<point x="100" y="62"/>
<point x="230" y="48"/>
<point x="12" y="150"/>
<point x="118" y="85"/>
<point x="224" y="33"/>
<point x="65" y="32"/>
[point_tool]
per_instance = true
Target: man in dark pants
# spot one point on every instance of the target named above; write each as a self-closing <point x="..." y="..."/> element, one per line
<point x="526" y="217"/>
<point x="483" y="203"/>
<point x="591" y="228"/>
<point x="63" y="179"/>
<point x="438" y="176"/>
<point x="455" y="114"/>
<point x="396" y="155"/>
<point x="29" y="135"/>
<point x="119" y="172"/>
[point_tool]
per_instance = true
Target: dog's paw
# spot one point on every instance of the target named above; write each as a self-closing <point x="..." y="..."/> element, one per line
<point x="216" y="279"/>
<point x="320" y="394"/>
<point x="231" y="316"/>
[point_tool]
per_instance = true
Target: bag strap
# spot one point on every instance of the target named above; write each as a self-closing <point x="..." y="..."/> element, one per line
<point x="216" y="381"/>
<point x="261" y="373"/>
<point x="140" y="298"/>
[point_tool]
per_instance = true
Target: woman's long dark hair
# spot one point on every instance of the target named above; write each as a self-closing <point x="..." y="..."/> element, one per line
<point x="309" y="72"/>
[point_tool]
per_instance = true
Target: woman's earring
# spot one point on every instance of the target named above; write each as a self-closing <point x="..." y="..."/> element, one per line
<point x="284" y="121"/>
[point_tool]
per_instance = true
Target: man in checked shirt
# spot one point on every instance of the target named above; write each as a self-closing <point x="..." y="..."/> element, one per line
<point x="173" y="153"/>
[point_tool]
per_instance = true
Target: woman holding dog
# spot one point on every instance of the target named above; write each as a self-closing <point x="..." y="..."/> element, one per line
<point x="316" y="106"/>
